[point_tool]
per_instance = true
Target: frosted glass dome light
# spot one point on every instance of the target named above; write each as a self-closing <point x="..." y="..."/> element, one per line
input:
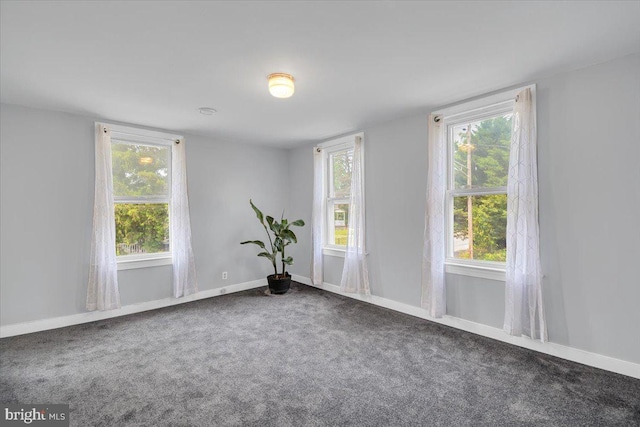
<point x="281" y="85"/>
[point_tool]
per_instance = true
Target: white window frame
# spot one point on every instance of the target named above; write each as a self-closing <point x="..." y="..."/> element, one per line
<point x="131" y="135"/>
<point x="328" y="148"/>
<point x="501" y="103"/>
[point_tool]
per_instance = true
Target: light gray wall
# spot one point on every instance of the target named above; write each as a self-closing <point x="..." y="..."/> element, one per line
<point x="47" y="175"/>
<point x="589" y="152"/>
<point x="300" y="201"/>
<point x="588" y="158"/>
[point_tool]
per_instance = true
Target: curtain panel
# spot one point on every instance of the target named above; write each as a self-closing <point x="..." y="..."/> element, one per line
<point x="524" y="312"/>
<point x="355" y="273"/>
<point x="317" y="217"/>
<point x="433" y="253"/>
<point x="102" y="292"/>
<point x="184" y="267"/>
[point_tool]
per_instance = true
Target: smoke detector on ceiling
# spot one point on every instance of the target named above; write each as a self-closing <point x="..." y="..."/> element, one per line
<point x="207" y="111"/>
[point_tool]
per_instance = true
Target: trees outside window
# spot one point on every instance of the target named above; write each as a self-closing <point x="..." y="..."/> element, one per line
<point x="339" y="190"/>
<point x="141" y="186"/>
<point x="477" y="192"/>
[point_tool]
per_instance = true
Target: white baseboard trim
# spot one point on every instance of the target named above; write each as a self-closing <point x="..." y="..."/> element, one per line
<point x="569" y="353"/>
<point x="92" y="316"/>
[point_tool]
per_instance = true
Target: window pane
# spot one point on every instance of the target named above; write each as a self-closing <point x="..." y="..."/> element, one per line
<point x="142" y="228"/>
<point x="341" y="163"/>
<point x="340" y="222"/>
<point x="486" y="238"/>
<point x="481" y="152"/>
<point x="140" y="170"/>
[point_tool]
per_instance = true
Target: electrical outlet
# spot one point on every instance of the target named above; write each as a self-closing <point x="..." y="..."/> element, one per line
<point x="224" y="275"/>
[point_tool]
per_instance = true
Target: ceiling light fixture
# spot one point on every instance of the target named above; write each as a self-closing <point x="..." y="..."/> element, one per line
<point x="281" y="85"/>
<point x="207" y="111"/>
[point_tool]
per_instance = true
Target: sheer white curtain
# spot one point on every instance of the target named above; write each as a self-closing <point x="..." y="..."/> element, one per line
<point x="433" y="254"/>
<point x="317" y="217"/>
<point x="355" y="274"/>
<point x="524" y="313"/>
<point x="184" y="267"/>
<point x="102" y="293"/>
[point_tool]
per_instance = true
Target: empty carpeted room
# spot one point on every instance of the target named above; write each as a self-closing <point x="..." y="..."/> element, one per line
<point x="355" y="213"/>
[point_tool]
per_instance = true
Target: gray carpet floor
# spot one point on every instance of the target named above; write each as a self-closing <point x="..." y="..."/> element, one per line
<point x="307" y="358"/>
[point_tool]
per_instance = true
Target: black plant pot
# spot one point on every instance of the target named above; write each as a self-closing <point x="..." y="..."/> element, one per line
<point x="279" y="285"/>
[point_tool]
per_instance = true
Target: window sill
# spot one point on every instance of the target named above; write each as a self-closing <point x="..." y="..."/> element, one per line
<point x="130" y="264"/>
<point x="484" y="272"/>
<point x="340" y="253"/>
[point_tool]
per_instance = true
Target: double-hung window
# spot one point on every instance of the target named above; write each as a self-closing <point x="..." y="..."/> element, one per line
<point x="338" y="163"/>
<point x="478" y="145"/>
<point x="141" y="170"/>
<point x="140" y="211"/>
<point x="339" y="191"/>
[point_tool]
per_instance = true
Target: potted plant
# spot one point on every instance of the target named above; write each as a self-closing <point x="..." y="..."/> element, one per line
<point x="280" y="236"/>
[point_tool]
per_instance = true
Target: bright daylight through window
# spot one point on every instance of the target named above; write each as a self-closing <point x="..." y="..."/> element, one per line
<point x="141" y="187"/>
<point x="478" y="159"/>
<point x="339" y="164"/>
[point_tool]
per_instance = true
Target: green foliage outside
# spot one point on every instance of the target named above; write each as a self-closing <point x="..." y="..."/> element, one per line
<point x="489" y="226"/>
<point x="340" y="235"/>
<point x="342" y="165"/>
<point x="141" y="171"/>
<point x="490" y="140"/>
<point x="141" y="228"/>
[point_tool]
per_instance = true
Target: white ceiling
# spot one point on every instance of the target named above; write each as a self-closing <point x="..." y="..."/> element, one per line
<point x="355" y="63"/>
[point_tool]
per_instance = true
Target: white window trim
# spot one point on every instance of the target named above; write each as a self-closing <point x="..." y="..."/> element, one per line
<point x="144" y="137"/>
<point x="334" y="251"/>
<point x="328" y="147"/>
<point x="491" y="272"/>
<point x="127" y="263"/>
<point x="463" y="112"/>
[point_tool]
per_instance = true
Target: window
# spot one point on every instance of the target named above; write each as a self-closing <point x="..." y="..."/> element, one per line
<point x="141" y="197"/>
<point x="141" y="168"/>
<point x="478" y="144"/>
<point x="339" y="186"/>
<point x="338" y="163"/>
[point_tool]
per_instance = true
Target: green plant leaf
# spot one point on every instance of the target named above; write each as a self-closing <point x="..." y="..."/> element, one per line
<point x="255" y="242"/>
<point x="267" y="255"/>
<point x="288" y="260"/>
<point x="298" y="223"/>
<point x="258" y="212"/>
<point x="289" y="235"/>
<point x="274" y="226"/>
<point x="278" y="243"/>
